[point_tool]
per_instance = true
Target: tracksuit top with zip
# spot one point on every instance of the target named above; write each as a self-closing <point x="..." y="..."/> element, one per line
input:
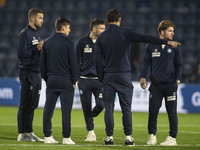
<point x="113" y="49"/>
<point x="165" y="64"/>
<point x="28" y="53"/>
<point x="86" y="57"/>
<point x="58" y="58"/>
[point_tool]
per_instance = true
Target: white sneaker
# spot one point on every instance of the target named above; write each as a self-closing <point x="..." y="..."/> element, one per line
<point x="25" y="137"/>
<point x="36" y="138"/>
<point x="91" y="136"/>
<point x="50" y="140"/>
<point x="108" y="140"/>
<point x="68" y="141"/>
<point x="129" y="140"/>
<point x="170" y="141"/>
<point x="152" y="140"/>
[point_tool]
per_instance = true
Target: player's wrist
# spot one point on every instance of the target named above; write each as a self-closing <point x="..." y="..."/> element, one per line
<point x="142" y="78"/>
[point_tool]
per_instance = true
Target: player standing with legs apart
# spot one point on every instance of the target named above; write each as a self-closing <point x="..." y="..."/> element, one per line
<point x="88" y="81"/>
<point x="58" y="64"/>
<point x="114" y="70"/>
<point x="29" y="50"/>
<point x="166" y="68"/>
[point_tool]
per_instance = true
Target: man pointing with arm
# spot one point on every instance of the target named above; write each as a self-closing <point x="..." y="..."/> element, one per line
<point x="114" y="71"/>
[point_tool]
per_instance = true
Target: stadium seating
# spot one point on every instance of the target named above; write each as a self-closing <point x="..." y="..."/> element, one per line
<point x="140" y="15"/>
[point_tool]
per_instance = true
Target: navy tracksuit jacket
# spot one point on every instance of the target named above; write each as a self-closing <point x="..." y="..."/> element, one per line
<point x="86" y="57"/>
<point x="29" y="76"/>
<point x="165" y="69"/>
<point x="58" y="68"/>
<point x="88" y="82"/>
<point x="113" y="68"/>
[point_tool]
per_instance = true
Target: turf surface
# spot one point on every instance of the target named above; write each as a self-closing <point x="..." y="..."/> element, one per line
<point x="188" y="136"/>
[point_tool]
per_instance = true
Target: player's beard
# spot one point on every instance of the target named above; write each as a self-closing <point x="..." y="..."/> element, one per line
<point x="167" y="38"/>
<point x="96" y="35"/>
<point x="36" y="25"/>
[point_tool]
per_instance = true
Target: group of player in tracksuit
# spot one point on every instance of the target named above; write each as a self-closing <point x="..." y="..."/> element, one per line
<point x="102" y="68"/>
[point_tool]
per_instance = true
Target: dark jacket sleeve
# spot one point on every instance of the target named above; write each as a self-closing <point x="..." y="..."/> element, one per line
<point x="137" y="37"/>
<point x="99" y="60"/>
<point x="79" y="53"/>
<point x="178" y="63"/>
<point x="43" y="64"/>
<point x="146" y="63"/>
<point x="23" y="50"/>
<point x="73" y="65"/>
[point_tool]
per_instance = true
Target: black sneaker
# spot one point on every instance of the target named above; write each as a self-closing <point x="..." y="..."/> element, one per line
<point x="108" y="141"/>
<point x="129" y="141"/>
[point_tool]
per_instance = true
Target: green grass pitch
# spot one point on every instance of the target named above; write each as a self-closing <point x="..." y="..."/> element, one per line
<point x="188" y="136"/>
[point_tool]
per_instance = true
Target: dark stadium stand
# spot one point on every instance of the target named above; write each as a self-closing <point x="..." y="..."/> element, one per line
<point x="140" y="15"/>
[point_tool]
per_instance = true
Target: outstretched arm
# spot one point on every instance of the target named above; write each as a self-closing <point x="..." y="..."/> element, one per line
<point x="137" y="37"/>
<point x="174" y="44"/>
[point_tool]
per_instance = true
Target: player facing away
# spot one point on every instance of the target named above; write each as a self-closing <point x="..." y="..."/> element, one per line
<point x="29" y="50"/>
<point x="88" y="82"/>
<point x="58" y="68"/>
<point x="165" y="74"/>
<point x="114" y="71"/>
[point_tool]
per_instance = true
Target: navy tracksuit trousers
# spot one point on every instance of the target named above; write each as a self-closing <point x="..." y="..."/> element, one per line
<point x="29" y="97"/>
<point x="86" y="88"/>
<point x="157" y="93"/>
<point x="63" y="87"/>
<point x="118" y="83"/>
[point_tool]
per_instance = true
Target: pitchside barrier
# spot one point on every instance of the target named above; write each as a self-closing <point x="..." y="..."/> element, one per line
<point x="188" y="97"/>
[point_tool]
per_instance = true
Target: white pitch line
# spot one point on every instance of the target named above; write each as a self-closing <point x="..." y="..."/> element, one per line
<point x="81" y="145"/>
<point x="190" y="132"/>
<point x="134" y="125"/>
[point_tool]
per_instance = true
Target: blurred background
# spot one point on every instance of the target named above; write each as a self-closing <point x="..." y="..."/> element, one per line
<point x="141" y="16"/>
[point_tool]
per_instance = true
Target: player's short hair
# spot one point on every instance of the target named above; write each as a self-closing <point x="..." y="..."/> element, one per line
<point x="113" y="15"/>
<point x="96" y="22"/>
<point x="163" y="25"/>
<point x="34" y="12"/>
<point x="61" y="22"/>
